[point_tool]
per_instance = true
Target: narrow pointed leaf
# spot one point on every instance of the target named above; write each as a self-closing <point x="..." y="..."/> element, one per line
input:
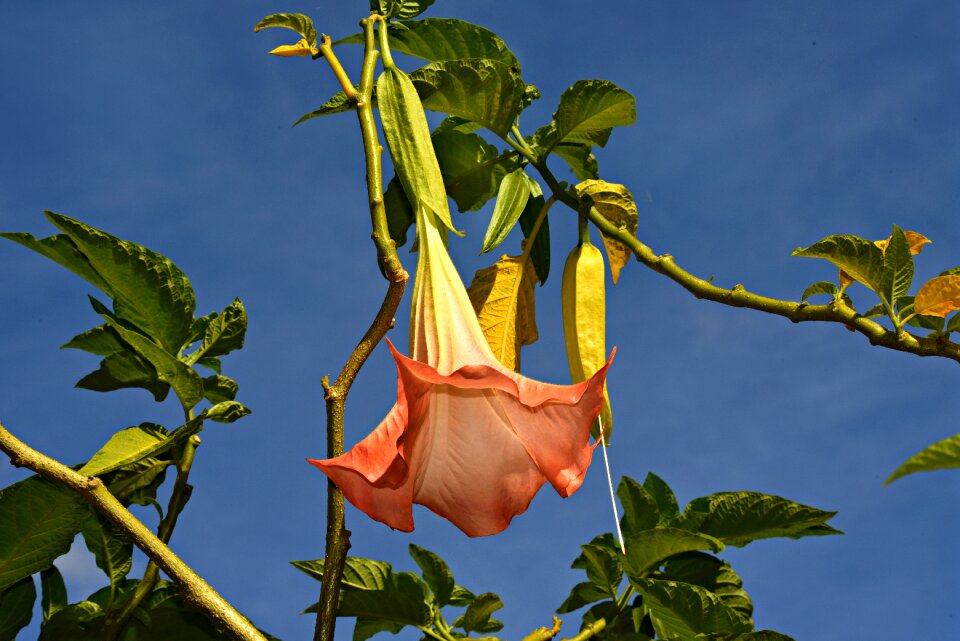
<point x="399" y="213"/>
<point x="540" y="252"/>
<point x="512" y="198"/>
<point x="111" y="548"/>
<point x="408" y="137"/>
<point x="640" y="510"/>
<point x="503" y="299"/>
<point x="648" y="549"/>
<point x="484" y="91"/>
<point x="436" y="39"/>
<point x="737" y="518"/>
<point x="100" y="340"/>
<point x="682" y="611"/>
<point x="938" y="296"/>
<point x="38" y="522"/>
<point x="53" y="591"/>
<point x="942" y="455"/>
<point x="436" y="574"/>
<point x="856" y="256"/>
<point x="338" y="103"/>
<point x="662" y="495"/>
<point x="63" y="251"/>
<point x="616" y="204"/>
<point x="897" y="268"/>
<point x="472" y="168"/>
<point x="16" y="607"/>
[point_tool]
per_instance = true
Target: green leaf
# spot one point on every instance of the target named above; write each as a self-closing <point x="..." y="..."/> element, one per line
<point x="905" y="307"/>
<point x="358" y="573"/>
<point x="511" y="199"/>
<point x="225" y="331"/>
<point x="61" y="250"/>
<point x="760" y="635"/>
<point x="131" y="445"/>
<point x="111" y="548"/>
<point x="38" y="521"/>
<point x="942" y="455"/>
<point x="294" y="21"/>
<point x="211" y="363"/>
<point x="648" y="549"/>
<point x="582" y="594"/>
<point x="663" y="496"/>
<point x="402" y="9"/>
<point x="217" y="388"/>
<point x="640" y="511"/>
<point x="588" y="111"/>
<point x="338" y="103"/>
<point x="400" y="601"/>
<point x="821" y="287"/>
<point x="82" y="621"/>
<point x="711" y="573"/>
<point x="366" y="628"/>
<point x="737" y="518"/>
<point x="603" y="568"/>
<point x="471" y="167"/>
<point x="540" y="254"/>
<point x="477" y="617"/>
<point x="16" y="607"/>
<point x="138" y="482"/>
<point x="858" y="257"/>
<point x="399" y="214"/>
<point x="147" y="289"/>
<point x="186" y="383"/>
<point x="580" y="158"/>
<point x="408" y="137"/>
<point x="897" y="268"/>
<point x="875" y="311"/>
<point x="227" y="412"/>
<point x="484" y="91"/>
<point x="953" y="325"/>
<point x="53" y="590"/>
<point x="436" y="574"/>
<point x="461" y="597"/>
<point x="455" y="123"/>
<point x="682" y="611"/>
<point x="125" y="370"/>
<point x="100" y="340"/>
<point x="437" y="39"/>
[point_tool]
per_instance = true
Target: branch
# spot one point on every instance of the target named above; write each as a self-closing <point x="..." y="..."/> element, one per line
<point x="738" y="296"/>
<point x="337" y="536"/>
<point x="193" y="588"/>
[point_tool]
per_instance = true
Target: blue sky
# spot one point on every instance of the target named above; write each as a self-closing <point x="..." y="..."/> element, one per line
<point x="761" y="127"/>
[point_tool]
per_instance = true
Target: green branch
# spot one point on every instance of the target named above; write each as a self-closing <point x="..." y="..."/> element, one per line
<point x="739" y="296"/>
<point x="193" y="588"/>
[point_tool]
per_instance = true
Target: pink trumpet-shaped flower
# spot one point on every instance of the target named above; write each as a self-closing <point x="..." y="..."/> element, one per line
<point x="468" y="438"/>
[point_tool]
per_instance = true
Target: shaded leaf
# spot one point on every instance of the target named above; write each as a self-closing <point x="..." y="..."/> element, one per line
<point x="503" y="299"/>
<point x="436" y="574"/>
<point x="540" y="252"/>
<point x="227" y="412"/>
<point x="938" y="296"/>
<point x="648" y="549"/>
<point x="455" y="123"/>
<point x="16" y="607"/>
<point x="338" y="103"/>
<point x="38" y="521"/>
<point x="366" y="628"/>
<point x="640" y="510"/>
<point x="471" y="168"/>
<point x="858" y="257"/>
<point x="100" y="340"/>
<point x="477" y="617"/>
<point x="53" y="591"/>
<point x="294" y="21"/>
<point x="821" y="287"/>
<point x="588" y="111"/>
<point x="682" y="611"/>
<point x="461" y="596"/>
<point x="217" y="388"/>
<point x="662" y="495"/>
<point x="400" y="601"/>
<point x="82" y="621"/>
<point x="737" y="518"/>
<point x="399" y="214"/>
<point x="436" y="39"/>
<point x="580" y="158"/>
<point x="709" y="572"/>
<point x="111" y="548"/>
<point x="905" y="307"/>
<point x="483" y="91"/>
<point x="760" y="635"/>
<point x="616" y="204"/>
<point x="942" y="455"/>
<point x="408" y="137"/>
<point x="358" y="573"/>
<point x="603" y="568"/>
<point x="511" y="200"/>
<point x="225" y="331"/>
<point x="582" y="594"/>
<point x="125" y="370"/>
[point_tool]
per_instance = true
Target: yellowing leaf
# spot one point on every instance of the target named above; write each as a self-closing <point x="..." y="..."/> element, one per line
<point x="503" y="298"/>
<point x="914" y="240"/>
<point x="614" y="203"/>
<point x="938" y="297"/>
<point x="845" y="280"/>
<point x="302" y="48"/>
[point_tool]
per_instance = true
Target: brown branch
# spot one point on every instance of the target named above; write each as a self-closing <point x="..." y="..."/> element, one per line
<point x="739" y="296"/>
<point x="193" y="588"/>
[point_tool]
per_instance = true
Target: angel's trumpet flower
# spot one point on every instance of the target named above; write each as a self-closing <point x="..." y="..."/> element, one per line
<point x="468" y="438"/>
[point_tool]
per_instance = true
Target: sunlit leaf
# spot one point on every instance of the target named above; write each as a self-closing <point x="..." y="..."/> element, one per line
<point x="511" y="200"/>
<point x="897" y="268"/>
<point x="358" y="573"/>
<point x="856" y="256"/>
<point x="294" y="21"/>
<point x="225" y="332"/>
<point x="914" y="240"/>
<point x="648" y="549"/>
<point x="338" y="103"/>
<point x="472" y="168"/>
<point x="484" y="91"/>
<point x="588" y="111"/>
<point x="938" y="296"/>
<point x="227" y="412"/>
<point x="822" y="287"/>
<point x="682" y="611"/>
<point x="503" y="298"/>
<point x="905" y="308"/>
<point x="131" y="445"/>
<point x="662" y="495"/>
<point x="942" y="455"/>
<point x="616" y="204"/>
<point x="301" y="48"/>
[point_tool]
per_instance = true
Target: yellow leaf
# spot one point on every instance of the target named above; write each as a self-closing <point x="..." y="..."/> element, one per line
<point x="614" y="203"/>
<point x="503" y="298"/>
<point x="914" y="240"/>
<point x="938" y="297"/>
<point x="302" y="48"/>
<point x="845" y="280"/>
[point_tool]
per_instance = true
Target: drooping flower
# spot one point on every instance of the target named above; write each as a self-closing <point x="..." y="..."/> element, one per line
<point x="468" y="438"/>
